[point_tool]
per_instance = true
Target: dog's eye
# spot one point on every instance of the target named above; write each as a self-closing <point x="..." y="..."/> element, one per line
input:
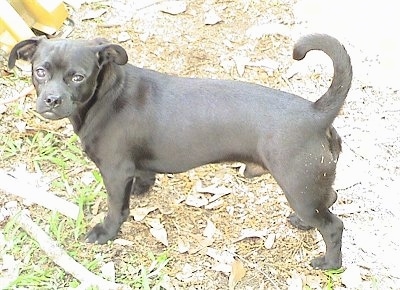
<point x="77" y="78"/>
<point x="40" y="73"/>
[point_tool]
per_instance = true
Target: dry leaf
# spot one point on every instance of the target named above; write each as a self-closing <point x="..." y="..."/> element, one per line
<point x="96" y="205"/>
<point x="266" y="63"/>
<point x="237" y="273"/>
<point x="173" y="7"/>
<point x="123" y="242"/>
<point x="252" y="233"/>
<point x="190" y="273"/>
<point x="295" y="282"/>
<point x="294" y="69"/>
<point x="258" y="31"/>
<point x="93" y="14"/>
<point x="202" y="243"/>
<point x="183" y="245"/>
<point x="75" y="4"/>
<point x="160" y="234"/>
<point x="141" y="212"/>
<point x="211" y="17"/>
<point x="213" y="189"/>
<point x="216" y="191"/>
<point x="87" y="178"/>
<point x="166" y="283"/>
<point x="3" y="108"/>
<point x="9" y="270"/>
<point x="215" y="204"/>
<point x="158" y="231"/>
<point x="351" y="277"/>
<point x="241" y="62"/>
<point x="21" y="126"/>
<point x="108" y="271"/>
<point x="196" y="200"/>
<point x="221" y="256"/>
<point x="209" y="230"/>
<point x="123" y="36"/>
<point x="314" y="282"/>
<point x="269" y="241"/>
<point x="165" y="208"/>
<point x="221" y="267"/>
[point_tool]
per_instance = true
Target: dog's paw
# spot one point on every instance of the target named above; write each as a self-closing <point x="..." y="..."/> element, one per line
<point x="323" y="264"/>
<point x="99" y="235"/>
<point x="298" y="222"/>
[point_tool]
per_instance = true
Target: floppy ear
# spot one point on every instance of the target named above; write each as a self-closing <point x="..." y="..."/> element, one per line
<point x="111" y="53"/>
<point x="23" y="50"/>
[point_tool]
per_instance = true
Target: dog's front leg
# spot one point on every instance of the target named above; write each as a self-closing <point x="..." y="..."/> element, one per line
<point x="118" y="179"/>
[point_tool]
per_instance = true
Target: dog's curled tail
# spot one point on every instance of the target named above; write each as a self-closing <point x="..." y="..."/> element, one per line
<point x="331" y="102"/>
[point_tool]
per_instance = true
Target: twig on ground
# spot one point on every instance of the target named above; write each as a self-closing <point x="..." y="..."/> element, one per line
<point x="18" y="187"/>
<point x="62" y="259"/>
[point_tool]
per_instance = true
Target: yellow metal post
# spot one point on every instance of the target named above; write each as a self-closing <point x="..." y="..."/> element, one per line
<point x="17" y="17"/>
<point x="12" y="27"/>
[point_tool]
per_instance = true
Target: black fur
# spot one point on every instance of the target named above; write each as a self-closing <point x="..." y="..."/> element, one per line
<point x="134" y="123"/>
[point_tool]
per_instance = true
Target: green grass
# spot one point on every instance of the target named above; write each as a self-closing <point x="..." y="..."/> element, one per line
<point x="332" y="278"/>
<point x="142" y="276"/>
<point x="35" y="270"/>
<point x="62" y="157"/>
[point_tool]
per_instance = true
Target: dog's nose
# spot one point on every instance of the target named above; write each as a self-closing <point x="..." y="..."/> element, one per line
<point x="53" y="101"/>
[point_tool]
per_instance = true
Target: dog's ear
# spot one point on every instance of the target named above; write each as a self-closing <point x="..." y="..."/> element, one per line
<point x="111" y="53"/>
<point x="23" y="50"/>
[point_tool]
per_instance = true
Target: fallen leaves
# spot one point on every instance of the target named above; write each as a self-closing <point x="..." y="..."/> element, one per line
<point x="351" y="277"/>
<point x="158" y="231"/>
<point x="173" y="7"/>
<point x="237" y="273"/>
<point x="196" y="200"/>
<point x="241" y="62"/>
<point x="108" y="271"/>
<point x="211" y="17"/>
<point x="223" y="259"/>
<point x="140" y="213"/>
<point x="197" y="197"/>
<point x="190" y="273"/>
<point x="227" y="263"/>
<point x="209" y="230"/>
<point x="268" y="238"/>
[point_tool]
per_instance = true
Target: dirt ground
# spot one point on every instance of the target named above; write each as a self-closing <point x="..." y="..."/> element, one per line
<point x="252" y="40"/>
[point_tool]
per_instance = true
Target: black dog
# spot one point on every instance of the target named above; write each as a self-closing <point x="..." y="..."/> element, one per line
<point x="134" y="123"/>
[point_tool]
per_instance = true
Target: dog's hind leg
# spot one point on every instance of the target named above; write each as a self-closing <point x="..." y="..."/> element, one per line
<point x="306" y="175"/>
<point x="144" y="180"/>
<point x="330" y="227"/>
<point x="310" y="195"/>
<point x="296" y="221"/>
<point x="254" y="170"/>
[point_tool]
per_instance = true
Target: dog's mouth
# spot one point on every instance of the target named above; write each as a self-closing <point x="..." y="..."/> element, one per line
<point x="50" y="115"/>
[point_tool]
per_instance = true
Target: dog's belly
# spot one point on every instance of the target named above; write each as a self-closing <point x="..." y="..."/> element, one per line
<point x="178" y="165"/>
<point x="180" y="157"/>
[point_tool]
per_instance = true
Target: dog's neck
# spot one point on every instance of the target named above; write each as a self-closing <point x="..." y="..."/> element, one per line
<point x="110" y="79"/>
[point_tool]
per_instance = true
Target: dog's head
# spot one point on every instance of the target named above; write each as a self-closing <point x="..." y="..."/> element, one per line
<point x="64" y="72"/>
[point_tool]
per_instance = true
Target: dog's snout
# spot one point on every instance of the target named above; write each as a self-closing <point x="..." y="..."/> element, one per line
<point x="53" y="101"/>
